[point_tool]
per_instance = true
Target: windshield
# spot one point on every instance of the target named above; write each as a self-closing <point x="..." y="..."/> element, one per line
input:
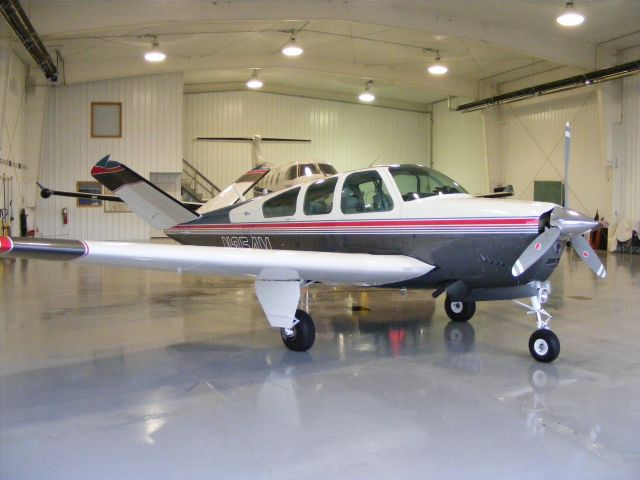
<point x="327" y="169"/>
<point x="415" y="181"/>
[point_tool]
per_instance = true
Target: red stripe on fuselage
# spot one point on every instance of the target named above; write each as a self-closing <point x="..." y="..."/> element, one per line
<point x="466" y="222"/>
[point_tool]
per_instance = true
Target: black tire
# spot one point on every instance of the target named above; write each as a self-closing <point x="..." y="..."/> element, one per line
<point x="304" y="333"/>
<point x="544" y="345"/>
<point x="459" y="311"/>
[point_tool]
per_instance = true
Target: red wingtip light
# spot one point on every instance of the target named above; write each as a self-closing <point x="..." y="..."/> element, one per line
<point x="6" y="245"/>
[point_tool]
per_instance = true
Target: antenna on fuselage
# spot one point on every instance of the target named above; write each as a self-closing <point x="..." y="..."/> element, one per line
<point x="375" y="161"/>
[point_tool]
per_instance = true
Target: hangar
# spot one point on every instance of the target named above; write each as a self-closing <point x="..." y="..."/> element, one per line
<point x="120" y="373"/>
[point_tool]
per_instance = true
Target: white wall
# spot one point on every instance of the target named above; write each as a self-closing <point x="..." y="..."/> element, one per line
<point x="532" y="145"/>
<point x="627" y="171"/>
<point x="347" y="135"/>
<point x="12" y="132"/>
<point x="151" y="142"/>
<point x="459" y="149"/>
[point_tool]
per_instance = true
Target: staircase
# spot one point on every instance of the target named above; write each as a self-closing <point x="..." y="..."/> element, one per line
<point x="195" y="186"/>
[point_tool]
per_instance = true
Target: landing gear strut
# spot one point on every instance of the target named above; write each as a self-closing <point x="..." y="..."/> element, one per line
<point x="459" y="311"/>
<point x="301" y="335"/>
<point x="544" y="345"/>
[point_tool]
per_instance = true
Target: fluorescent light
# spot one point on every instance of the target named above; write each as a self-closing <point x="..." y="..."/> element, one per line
<point x="570" y="17"/>
<point x="254" y="82"/>
<point x="366" y="95"/>
<point x="437" y="68"/>
<point x="155" y="54"/>
<point x="291" y="48"/>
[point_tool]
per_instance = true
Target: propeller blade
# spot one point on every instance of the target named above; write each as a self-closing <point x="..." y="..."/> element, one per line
<point x="582" y="247"/>
<point x="535" y="250"/>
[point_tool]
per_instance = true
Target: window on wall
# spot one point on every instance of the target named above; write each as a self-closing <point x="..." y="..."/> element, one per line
<point x="106" y="120"/>
<point x="365" y="192"/>
<point x="319" y="197"/>
<point x="283" y="205"/>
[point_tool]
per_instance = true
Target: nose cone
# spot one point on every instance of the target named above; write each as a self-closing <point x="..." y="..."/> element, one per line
<point x="571" y="222"/>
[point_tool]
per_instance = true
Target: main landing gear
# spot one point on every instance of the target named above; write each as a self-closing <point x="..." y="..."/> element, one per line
<point x="301" y="335"/>
<point x="459" y="311"/>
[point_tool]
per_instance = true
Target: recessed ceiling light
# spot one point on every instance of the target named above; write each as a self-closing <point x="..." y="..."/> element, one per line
<point x="570" y="17"/>
<point x="155" y="54"/>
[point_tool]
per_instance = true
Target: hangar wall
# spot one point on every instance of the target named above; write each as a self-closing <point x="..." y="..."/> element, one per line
<point x="459" y="148"/>
<point x="627" y="172"/>
<point x="532" y="144"/>
<point x="347" y="135"/>
<point x="151" y="142"/>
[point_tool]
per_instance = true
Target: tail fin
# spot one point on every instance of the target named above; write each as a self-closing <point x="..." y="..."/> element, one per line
<point x="154" y="206"/>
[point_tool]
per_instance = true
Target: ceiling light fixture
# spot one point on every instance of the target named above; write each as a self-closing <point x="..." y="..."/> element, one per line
<point x="155" y="54"/>
<point x="570" y="17"/>
<point x="291" y="48"/>
<point x="254" y="82"/>
<point x="437" y="68"/>
<point x="366" y="96"/>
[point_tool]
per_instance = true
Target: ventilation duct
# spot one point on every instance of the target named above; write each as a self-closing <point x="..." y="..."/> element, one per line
<point x="604" y="75"/>
<point x="17" y="19"/>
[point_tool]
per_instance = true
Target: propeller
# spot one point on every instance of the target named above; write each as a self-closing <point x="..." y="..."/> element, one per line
<point x="568" y="225"/>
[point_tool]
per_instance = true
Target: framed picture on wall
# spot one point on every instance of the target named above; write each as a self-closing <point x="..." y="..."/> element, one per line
<point x="106" y="120"/>
<point x="91" y="187"/>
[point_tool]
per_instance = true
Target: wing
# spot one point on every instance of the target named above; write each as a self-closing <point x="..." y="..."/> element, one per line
<point x="329" y="267"/>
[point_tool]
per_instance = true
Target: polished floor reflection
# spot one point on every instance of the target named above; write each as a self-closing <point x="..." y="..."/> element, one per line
<point x="110" y="374"/>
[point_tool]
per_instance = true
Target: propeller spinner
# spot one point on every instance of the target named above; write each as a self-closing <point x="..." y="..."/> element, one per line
<point x="568" y="225"/>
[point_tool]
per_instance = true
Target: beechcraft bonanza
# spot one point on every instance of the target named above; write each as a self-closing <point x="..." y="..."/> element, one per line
<point x="402" y="226"/>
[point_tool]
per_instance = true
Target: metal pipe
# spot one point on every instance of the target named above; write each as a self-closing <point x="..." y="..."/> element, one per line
<point x="597" y="76"/>
<point x="19" y="21"/>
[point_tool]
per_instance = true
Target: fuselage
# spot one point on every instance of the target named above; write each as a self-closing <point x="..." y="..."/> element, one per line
<point x="399" y="210"/>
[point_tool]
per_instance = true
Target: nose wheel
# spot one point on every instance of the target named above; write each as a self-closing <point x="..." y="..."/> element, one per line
<point x="544" y="345"/>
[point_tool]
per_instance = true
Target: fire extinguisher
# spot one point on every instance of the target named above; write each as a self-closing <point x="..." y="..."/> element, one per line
<point x="65" y="216"/>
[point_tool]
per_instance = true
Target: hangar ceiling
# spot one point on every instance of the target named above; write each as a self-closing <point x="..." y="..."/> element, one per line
<point x="346" y="42"/>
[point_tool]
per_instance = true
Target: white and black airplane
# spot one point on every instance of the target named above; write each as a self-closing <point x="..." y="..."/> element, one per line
<point x="403" y="226"/>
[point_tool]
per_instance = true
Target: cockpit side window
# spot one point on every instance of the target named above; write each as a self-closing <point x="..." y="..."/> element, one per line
<point x="283" y="205"/>
<point x="319" y="197"/>
<point x="365" y="192"/>
<point x="415" y="182"/>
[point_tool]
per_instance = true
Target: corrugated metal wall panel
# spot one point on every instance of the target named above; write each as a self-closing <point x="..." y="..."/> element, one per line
<point x="459" y="148"/>
<point x="151" y="142"/>
<point x="347" y="135"/>
<point x="532" y="147"/>
<point x="627" y="201"/>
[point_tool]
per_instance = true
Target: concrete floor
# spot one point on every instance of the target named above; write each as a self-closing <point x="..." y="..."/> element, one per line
<point x="114" y="374"/>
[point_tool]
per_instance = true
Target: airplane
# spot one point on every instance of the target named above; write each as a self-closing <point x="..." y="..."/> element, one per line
<point x="400" y="225"/>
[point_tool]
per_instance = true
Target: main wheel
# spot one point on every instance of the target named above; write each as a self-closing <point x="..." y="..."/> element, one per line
<point x="544" y="345"/>
<point x="301" y="336"/>
<point x="459" y="311"/>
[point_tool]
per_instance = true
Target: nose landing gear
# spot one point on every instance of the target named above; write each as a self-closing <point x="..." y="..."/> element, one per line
<point x="544" y="345"/>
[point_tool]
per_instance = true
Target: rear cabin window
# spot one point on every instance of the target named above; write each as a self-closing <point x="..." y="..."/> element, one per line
<point x="365" y="192"/>
<point x="319" y="197"/>
<point x="283" y="205"/>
